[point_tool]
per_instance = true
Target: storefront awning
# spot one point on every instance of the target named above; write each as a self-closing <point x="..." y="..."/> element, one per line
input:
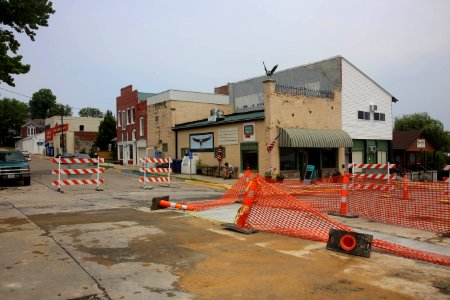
<point x="314" y="138"/>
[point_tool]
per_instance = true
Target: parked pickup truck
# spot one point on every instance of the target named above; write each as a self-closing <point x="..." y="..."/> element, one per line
<point x="14" y="167"/>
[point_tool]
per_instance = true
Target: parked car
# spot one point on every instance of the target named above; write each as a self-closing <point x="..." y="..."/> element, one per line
<point x="66" y="155"/>
<point x="81" y="155"/>
<point x="14" y="167"/>
<point x="26" y="154"/>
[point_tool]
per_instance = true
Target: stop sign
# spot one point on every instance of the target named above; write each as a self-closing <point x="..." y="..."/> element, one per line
<point x="219" y="154"/>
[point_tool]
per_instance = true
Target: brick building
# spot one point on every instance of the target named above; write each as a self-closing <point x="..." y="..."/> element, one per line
<point x="32" y="127"/>
<point x="75" y="135"/>
<point x="131" y="109"/>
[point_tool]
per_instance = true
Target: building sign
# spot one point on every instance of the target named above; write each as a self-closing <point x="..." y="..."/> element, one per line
<point x="201" y="142"/>
<point x="249" y="134"/>
<point x="420" y="143"/>
<point x="49" y="133"/>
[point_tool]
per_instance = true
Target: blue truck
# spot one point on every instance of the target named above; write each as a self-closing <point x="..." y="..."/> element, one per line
<point x="14" y="167"/>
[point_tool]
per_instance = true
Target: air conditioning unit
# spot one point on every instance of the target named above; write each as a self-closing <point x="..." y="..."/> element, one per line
<point x="373" y="107"/>
<point x="372" y="148"/>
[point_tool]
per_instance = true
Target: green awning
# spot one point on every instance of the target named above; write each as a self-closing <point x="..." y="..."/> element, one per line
<point x="314" y="138"/>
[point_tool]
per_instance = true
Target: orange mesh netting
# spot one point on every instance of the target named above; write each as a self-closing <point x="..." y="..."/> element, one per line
<point x="274" y="210"/>
<point x="234" y="194"/>
<point x="421" y="205"/>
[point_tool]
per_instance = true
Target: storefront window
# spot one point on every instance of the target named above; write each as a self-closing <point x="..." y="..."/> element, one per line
<point x="288" y="159"/>
<point x="329" y="158"/>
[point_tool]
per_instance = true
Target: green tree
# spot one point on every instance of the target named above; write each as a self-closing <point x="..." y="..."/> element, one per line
<point x="90" y="112"/>
<point x="12" y="116"/>
<point x="41" y="103"/>
<point x="59" y="109"/>
<point x="433" y="128"/>
<point x="19" y="16"/>
<point x="106" y="131"/>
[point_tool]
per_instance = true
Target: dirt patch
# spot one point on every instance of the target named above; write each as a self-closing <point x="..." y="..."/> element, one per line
<point x="443" y="286"/>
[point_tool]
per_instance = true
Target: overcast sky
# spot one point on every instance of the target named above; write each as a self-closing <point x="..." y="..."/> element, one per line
<point x="91" y="49"/>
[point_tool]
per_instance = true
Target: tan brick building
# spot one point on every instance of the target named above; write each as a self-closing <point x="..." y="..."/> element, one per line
<point x="172" y="107"/>
<point x="291" y="117"/>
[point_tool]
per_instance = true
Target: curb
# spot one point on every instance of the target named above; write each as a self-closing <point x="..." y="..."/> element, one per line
<point x="209" y="184"/>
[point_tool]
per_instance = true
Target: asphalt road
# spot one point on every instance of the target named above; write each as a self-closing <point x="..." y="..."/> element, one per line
<point x="88" y="244"/>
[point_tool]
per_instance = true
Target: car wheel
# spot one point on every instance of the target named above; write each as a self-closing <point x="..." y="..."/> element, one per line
<point x="27" y="181"/>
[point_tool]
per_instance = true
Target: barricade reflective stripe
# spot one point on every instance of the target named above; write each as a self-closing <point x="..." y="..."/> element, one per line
<point x="155" y="170"/>
<point x="153" y="179"/>
<point x="78" y="171"/>
<point x="77" y="181"/>
<point x="60" y="182"/>
<point x="155" y="160"/>
<point x="78" y="160"/>
<point x="372" y="166"/>
<point x="379" y="187"/>
<point x="447" y="168"/>
<point x="373" y="176"/>
<point x="146" y="170"/>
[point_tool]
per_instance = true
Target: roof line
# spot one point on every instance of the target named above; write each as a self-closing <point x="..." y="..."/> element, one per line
<point x="292" y="68"/>
<point x="365" y="75"/>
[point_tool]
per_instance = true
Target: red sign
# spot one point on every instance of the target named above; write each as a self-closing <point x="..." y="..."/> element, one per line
<point x="49" y="133"/>
<point x="219" y="154"/>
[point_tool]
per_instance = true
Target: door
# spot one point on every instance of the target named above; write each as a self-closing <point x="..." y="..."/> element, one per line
<point x="302" y="162"/>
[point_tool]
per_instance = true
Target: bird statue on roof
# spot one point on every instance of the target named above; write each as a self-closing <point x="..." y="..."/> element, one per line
<point x="270" y="73"/>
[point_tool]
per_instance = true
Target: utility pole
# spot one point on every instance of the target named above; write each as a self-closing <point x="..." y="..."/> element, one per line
<point x="62" y="131"/>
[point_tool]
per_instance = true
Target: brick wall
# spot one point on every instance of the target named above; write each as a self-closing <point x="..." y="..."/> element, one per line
<point x="128" y="99"/>
<point x="84" y="141"/>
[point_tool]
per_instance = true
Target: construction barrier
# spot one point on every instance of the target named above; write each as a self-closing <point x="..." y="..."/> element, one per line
<point x="144" y="161"/>
<point x="71" y="182"/>
<point x="299" y="210"/>
<point x="273" y="210"/>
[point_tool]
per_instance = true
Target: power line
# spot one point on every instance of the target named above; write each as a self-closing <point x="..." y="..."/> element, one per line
<point x="15" y="93"/>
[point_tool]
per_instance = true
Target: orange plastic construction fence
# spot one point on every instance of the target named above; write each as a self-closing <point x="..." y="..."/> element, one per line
<point x="274" y="210"/>
<point x="421" y="205"/>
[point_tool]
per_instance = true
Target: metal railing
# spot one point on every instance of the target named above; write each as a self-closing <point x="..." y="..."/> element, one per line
<point x="303" y="91"/>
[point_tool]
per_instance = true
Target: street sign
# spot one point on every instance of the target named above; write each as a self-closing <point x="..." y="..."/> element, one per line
<point x="190" y="155"/>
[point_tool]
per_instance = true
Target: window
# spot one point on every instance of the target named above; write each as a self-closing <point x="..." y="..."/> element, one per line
<point x="363" y="115"/>
<point x="81" y="127"/>
<point x="132" y="115"/>
<point x="329" y="157"/>
<point x="128" y="116"/>
<point x="120" y="152"/>
<point x="156" y="119"/>
<point x="31" y="131"/>
<point x="133" y="135"/>
<point x="165" y="148"/>
<point x="118" y="118"/>
<point x="382" y="157"/>
<point x="123" y="120"/>
<point x="141" y="126"/>
<point x="379" y="117"/>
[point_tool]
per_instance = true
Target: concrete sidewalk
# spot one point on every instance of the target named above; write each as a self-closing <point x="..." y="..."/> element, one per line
<point x="215" y="182"/>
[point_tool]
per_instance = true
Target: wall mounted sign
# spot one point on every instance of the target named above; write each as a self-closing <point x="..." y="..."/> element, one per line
<point x="203" y="142"/>
<point x="249" y="132"/>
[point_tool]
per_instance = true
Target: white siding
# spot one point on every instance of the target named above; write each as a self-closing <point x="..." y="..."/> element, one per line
<point x="358" y="92"/>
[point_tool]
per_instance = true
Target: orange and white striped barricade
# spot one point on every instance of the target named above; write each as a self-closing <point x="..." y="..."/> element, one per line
<point x="70" y="182"/>
<point x="386" y="167"/>
<point x="145" y="169"/>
